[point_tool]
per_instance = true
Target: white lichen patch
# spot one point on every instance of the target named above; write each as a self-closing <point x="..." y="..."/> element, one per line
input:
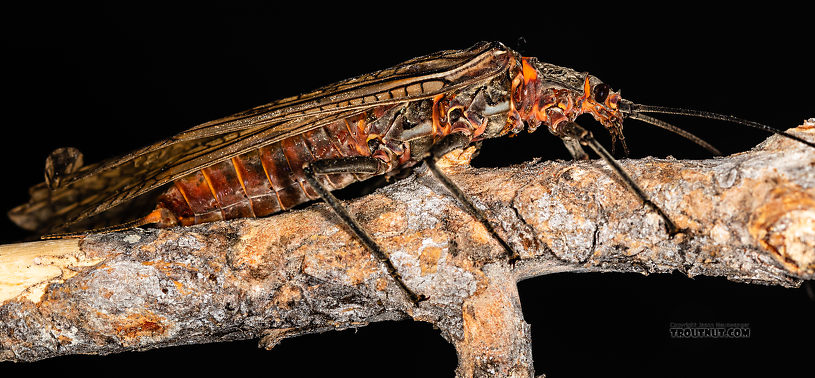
<point x="720" y="234"/>
<point x="446" y="279"/>
<point x="132" y="238"/>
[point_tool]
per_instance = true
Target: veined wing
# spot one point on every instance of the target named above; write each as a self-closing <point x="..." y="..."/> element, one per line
<point x="117" y="181"/>
<point x="414" y="79"/>
<point x="418" y="78"/>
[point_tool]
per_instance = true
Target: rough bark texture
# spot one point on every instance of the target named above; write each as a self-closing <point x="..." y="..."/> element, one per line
<point x="749" y="217"/>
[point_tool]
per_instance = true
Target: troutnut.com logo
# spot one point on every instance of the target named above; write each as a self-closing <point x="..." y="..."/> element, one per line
<point x="713" y="330"/>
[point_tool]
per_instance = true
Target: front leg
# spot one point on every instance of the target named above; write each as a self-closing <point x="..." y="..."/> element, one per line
<point x="584" y="137"/>
<point x="575" y="149"/>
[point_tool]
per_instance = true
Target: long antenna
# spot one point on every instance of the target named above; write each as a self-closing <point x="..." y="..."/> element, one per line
<point x="675" y="130"/>
<point x="634" y="109"/>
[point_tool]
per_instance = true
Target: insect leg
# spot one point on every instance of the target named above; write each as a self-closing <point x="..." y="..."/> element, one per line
<point x="358" y="164"/>
<point x="449" y="143"/>
<point x="585" y="137"/>
<point x="573" y="145"/>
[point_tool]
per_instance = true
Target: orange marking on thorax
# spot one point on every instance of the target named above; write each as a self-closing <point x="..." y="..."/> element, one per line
<point x="435" y="116"/>
<point x="586" y="91"/>
<point x="529" y="72"/>
<point x="361" y="149"/>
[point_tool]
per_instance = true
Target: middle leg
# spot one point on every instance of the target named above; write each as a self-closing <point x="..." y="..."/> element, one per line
<point x="449" y="143"/>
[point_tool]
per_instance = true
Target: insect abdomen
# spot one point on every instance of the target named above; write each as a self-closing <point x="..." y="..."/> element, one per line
<point x="263" y="181"/>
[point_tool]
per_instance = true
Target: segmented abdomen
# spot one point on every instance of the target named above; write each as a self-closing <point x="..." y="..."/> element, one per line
<point x="266" y="180"/>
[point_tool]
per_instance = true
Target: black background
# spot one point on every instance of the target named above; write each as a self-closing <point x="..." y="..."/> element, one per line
<point x="108" y="80"/>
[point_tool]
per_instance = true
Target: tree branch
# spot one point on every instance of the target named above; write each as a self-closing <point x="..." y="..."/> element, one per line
<point x="749" y="217"/>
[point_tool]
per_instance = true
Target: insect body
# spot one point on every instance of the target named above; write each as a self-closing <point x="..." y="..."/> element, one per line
<point x="273" y="157"/>
<point x="250" y="164"/>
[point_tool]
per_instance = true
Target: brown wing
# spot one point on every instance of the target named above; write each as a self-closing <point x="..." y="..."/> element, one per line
<point x="105" y="185"/>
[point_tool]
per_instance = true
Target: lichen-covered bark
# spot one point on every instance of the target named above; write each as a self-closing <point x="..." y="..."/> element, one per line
<point x="748" y="217"/>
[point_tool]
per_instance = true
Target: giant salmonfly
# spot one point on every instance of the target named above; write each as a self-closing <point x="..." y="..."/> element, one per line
<point x="276" y="156"/>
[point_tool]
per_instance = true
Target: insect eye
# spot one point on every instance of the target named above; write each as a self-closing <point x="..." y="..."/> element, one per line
<point x="601" y="92"/>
